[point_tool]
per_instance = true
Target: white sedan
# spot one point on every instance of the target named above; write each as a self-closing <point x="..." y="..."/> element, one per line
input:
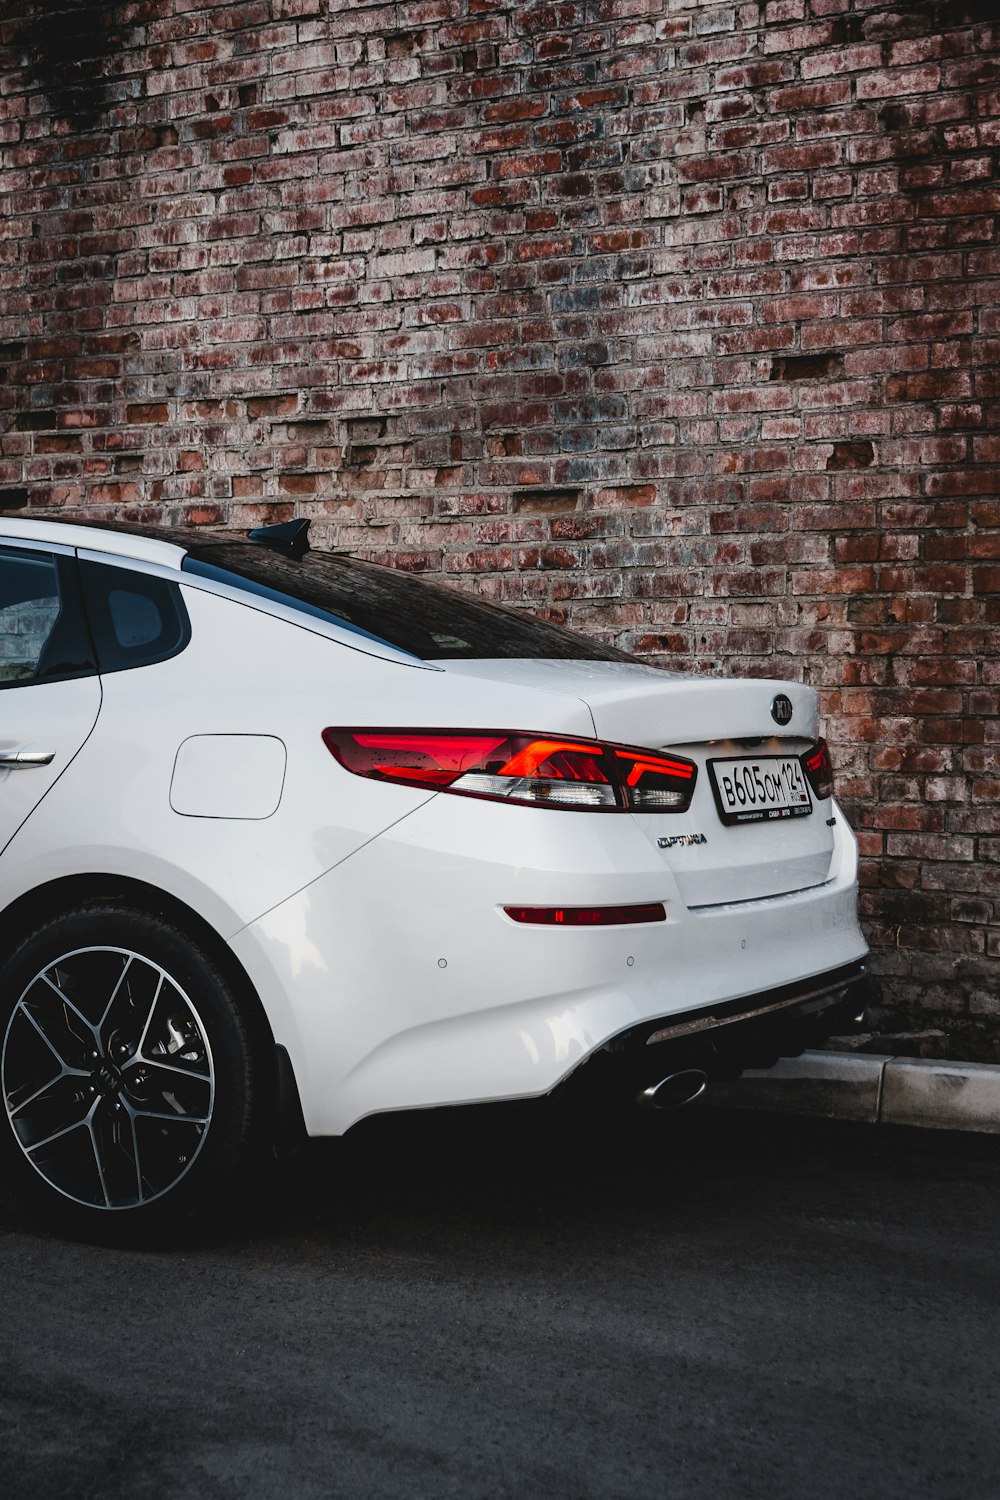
<point x="288" y="839"/>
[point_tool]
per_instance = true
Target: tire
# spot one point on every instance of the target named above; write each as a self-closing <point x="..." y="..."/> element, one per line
<point x="128" y="1077"/>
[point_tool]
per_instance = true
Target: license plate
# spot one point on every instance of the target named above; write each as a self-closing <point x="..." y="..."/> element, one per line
<point x="759" y="789"/>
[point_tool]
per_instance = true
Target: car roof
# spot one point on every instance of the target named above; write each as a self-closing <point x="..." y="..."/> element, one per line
<point x="157" y="544"/>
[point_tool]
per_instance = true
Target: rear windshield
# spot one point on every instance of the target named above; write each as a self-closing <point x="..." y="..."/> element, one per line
<point x="426" y="619"/>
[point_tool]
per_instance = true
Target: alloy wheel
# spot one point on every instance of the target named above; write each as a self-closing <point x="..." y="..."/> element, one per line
<point x="108" y="1078"/>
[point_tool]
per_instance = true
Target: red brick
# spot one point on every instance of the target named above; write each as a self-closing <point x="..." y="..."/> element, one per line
<point x="986" y="580"/>
<point x="272" y="406"/>
<point x="892" y="82"/>
<point x="247" y="486"/>
<point x="148" y="412"/>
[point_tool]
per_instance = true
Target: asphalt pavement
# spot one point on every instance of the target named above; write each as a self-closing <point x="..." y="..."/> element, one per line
<point x="713" y="1304"/>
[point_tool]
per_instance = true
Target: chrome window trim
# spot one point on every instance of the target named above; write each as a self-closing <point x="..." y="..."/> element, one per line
<point x="32" y="544"/>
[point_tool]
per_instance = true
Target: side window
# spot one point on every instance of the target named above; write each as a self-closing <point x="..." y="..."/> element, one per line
<point x="136" y="619"/>
<point x="43" y="635"/>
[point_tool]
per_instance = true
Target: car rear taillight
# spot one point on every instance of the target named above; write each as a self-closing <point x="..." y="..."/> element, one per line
<point x="532" y="770"/>
<point x="818" y="769"/>
<point x="655" y="783"/>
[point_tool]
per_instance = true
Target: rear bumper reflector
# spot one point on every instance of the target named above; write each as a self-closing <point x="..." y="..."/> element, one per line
<point x="587" y="916"/>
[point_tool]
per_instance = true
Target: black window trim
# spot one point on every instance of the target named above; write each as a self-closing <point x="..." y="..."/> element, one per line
<point x="122" y="564"/>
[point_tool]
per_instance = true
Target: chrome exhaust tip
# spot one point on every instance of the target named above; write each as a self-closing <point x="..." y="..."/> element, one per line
<point x="674" y="1090"/>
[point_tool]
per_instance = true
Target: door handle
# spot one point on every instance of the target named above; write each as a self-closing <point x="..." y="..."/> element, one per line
<point x="23" y="760"/>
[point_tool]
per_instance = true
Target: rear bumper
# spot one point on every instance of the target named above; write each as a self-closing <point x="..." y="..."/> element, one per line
<point x="722" y="1040"/>
<point x="396" y="981"/>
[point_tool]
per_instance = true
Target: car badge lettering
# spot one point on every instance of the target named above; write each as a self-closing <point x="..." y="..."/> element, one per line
<point x="682" y="840"/>
<point x="781" y="709"/>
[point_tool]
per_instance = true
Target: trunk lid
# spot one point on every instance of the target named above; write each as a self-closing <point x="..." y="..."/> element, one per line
<point x="731" y="723"/>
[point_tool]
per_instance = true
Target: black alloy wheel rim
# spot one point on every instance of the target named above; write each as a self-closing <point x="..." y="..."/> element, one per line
<point x="108" y="1078"/>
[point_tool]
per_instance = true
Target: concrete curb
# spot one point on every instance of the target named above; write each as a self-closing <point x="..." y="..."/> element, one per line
<point x="876" y="1090"/>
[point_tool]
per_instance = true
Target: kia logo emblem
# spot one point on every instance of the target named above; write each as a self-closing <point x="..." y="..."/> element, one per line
<point x="781" y="709"/>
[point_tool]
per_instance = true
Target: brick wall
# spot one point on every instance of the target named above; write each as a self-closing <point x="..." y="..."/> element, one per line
<point x="672" y="320"/>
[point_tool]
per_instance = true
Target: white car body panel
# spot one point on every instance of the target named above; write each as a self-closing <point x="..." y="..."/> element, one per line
<point x="368" y="915"/>
<point x="118" y="545"/>
<point x="512" y="1009"/>
<point x="47" y="717"/>
<point x="639" y="705"/>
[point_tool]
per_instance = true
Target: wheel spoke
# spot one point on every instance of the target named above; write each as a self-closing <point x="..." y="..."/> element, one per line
<point x="60" y="1106"/>
<point x="100" y="1164"/>
<point x="34" y="1021"/>
<point x="149" y="1018"/>
<point x="115" y="993"/>
<point x="155" y="1062"/>
<point x="135" y="1155"/>
<point x="162" y="1114"/>
<point x="14" y="1110"/>
<point x="69" y="1004"/>
<point x="57" y="1135"/>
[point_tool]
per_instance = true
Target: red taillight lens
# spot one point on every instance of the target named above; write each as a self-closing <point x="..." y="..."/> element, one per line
<point x="533" y="770"/>
<point x="587" y="916"/>
<point x="656" y="783"/>
<point x="818" y="769"/>
<point x="416" y="759"/>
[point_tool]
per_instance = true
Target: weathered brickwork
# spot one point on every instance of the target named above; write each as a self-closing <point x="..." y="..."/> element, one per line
<point x="677" y="321"/>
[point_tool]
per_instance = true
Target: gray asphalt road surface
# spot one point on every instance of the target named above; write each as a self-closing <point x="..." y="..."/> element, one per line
<point x="505" y="1304"/>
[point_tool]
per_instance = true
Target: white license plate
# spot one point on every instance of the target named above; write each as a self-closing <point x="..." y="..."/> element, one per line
<point x="757" y="789"/>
